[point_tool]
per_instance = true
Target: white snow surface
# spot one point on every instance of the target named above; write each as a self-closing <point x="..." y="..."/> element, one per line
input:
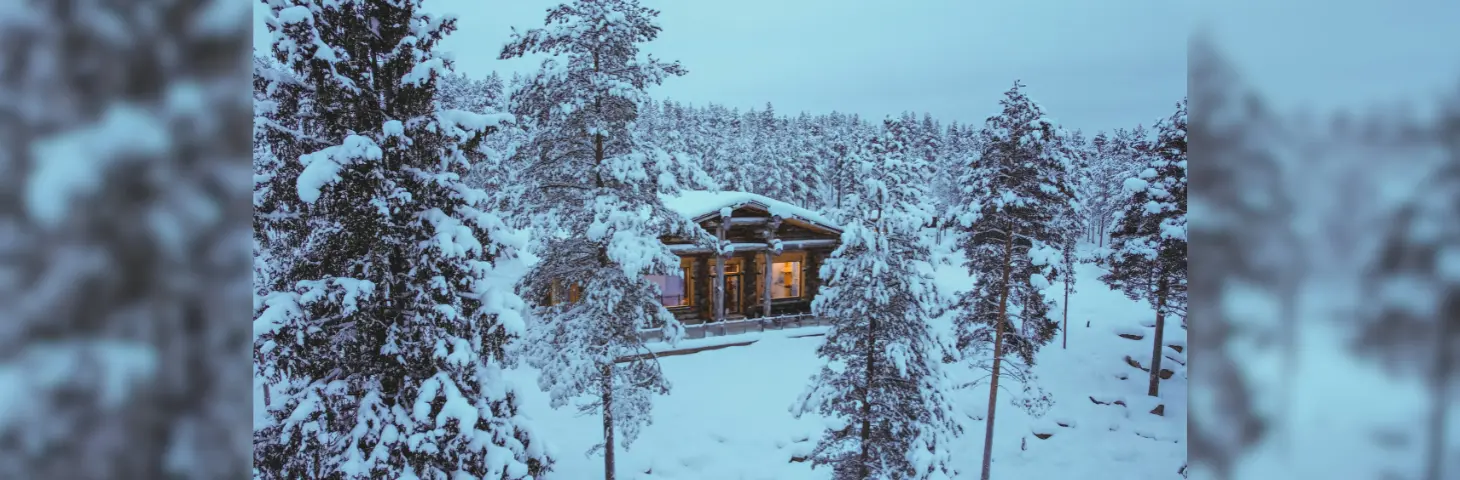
<point x="697" y="203"/>
<point x="728" y="413"/>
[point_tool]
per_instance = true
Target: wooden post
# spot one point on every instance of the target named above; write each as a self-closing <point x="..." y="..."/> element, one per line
<point x="811" y="275"/>
<point x="720" y="265"/>
<point x="770" y="254"/>
<point x="702" y="289"/>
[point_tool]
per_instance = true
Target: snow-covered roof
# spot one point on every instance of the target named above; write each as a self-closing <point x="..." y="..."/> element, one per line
<point x="697" y="205"/>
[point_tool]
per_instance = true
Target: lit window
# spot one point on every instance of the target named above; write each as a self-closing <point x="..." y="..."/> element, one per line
<point x="563" y="292"/>
<point x="671" y="290"/>
<point x="786" y="279"/>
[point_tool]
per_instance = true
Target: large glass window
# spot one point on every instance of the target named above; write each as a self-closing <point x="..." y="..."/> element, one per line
<point x="564" y="292"/>
<point x="786" y="277"/>
<point x="671" y="290"/>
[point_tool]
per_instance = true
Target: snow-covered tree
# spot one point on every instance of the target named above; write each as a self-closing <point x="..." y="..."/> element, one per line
<point x="384" y="344"/>
<point x="960" y="154"/>
<point x="672" y="137"/>
<point x="121" y="255"/>
<point x="835" y="167"/>
<point x="1239" y="250"/>
<point x="491" y="169"/>
<point x="1412" y="323"/>
<point x="1009" y="210"/>
<point x="461" y="92"/>
<point x="883" y="383"/>
<point x="1112" y="159"/>
<point x="1072" y="146"/>
<point x="1147" y="259"/>
<point x="600" y="182"/>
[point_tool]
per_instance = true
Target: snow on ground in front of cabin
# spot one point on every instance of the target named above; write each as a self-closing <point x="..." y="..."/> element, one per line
<point x="727" y="415"/>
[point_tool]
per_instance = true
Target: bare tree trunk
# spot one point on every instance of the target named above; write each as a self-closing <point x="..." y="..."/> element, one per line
<point x="867" y="400"/>
<point x="1439" y="404"/>
<point x="608" y="422"/>
<point x="1161" y="288"/>
<point x="1065" y="330"/>
<point x="988" y="434"/>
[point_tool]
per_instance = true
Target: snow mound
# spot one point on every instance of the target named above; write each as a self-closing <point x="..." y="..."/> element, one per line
<point x="1128" y="331"/>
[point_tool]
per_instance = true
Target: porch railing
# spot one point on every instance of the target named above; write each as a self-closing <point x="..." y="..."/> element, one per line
<point x="734" y="327"/>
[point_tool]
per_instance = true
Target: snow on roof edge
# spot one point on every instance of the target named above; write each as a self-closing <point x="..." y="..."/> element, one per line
<point x="694" y="204"/>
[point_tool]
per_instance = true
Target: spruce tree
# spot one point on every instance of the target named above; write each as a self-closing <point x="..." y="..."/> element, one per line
<point x="386" y="334"/>
<point x="1148" y="247"/>
<point x="600" y="181"/>
<point x="1412" y="323"/>
<point x="122" y="205"/>
<point x="1013" y="197"/>
<point x="1072" y="147"/>
<point x="884" y="382"/>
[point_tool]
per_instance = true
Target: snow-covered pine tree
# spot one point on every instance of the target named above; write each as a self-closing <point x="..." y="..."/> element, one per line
<point x="768" y="154"/>
<point x="959" y="153"/>
<point x="1124" y="156"/>
<point x="804" y="139"/>
<point x="833" y="151"/>
<point x="1239" y="250"/>
<point x="491" y="170"/>
<point x="884" y="381"/>
<point x="387" y="342"/>
<point x="1412" y="326"/>
<point x="710" y="140"/>
<point x="1147" y="260"/>
<point x="797" y="147"/>
<point x="121" y="264"/>
<point x="735" y="169"/>
<point x="1008" y="211"/>
<point x="1072" y="146"/>
<point x="602" y="182"/>
<point x="687" y="168"/>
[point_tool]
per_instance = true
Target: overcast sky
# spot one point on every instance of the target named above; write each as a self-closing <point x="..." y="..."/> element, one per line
<point x="1324" y="54"/>
<point x="1092" y="65"/>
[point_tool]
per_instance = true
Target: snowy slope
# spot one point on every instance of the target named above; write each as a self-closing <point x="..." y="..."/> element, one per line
<point x="1100" y="441"/>
<point x="727" y="416"/>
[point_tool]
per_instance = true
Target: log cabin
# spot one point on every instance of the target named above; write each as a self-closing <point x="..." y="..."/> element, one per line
<point x="767" y="267"/>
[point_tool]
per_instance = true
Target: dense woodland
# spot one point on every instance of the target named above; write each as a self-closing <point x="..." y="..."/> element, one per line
<point x="396" y="202"/>
<point x="810" y="160"/>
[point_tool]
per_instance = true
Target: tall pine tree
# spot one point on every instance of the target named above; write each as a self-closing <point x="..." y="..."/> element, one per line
<point x="390" y="328"/>
<point x="884" y="380"/>
<point x="601" y="182"/>
<point x="1412" y="325"/>
<point x="1148" y="247"/>
<point x="1013" y="197"/>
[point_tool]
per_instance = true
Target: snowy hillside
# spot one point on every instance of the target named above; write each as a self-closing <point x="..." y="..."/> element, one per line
<point x="727" y="415"/>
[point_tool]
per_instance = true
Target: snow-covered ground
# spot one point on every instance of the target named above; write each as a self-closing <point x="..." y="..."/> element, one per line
<point x="728" y="416"/>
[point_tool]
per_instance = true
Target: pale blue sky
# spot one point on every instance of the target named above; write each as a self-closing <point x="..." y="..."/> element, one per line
<point x="1323" y="54"/>
<point x="1092" y="65"/>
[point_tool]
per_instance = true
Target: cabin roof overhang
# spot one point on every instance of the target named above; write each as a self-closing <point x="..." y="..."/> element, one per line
<point x="701" y="206"/>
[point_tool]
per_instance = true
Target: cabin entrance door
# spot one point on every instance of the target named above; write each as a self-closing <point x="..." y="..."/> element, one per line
<point x="732" y="293"/>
